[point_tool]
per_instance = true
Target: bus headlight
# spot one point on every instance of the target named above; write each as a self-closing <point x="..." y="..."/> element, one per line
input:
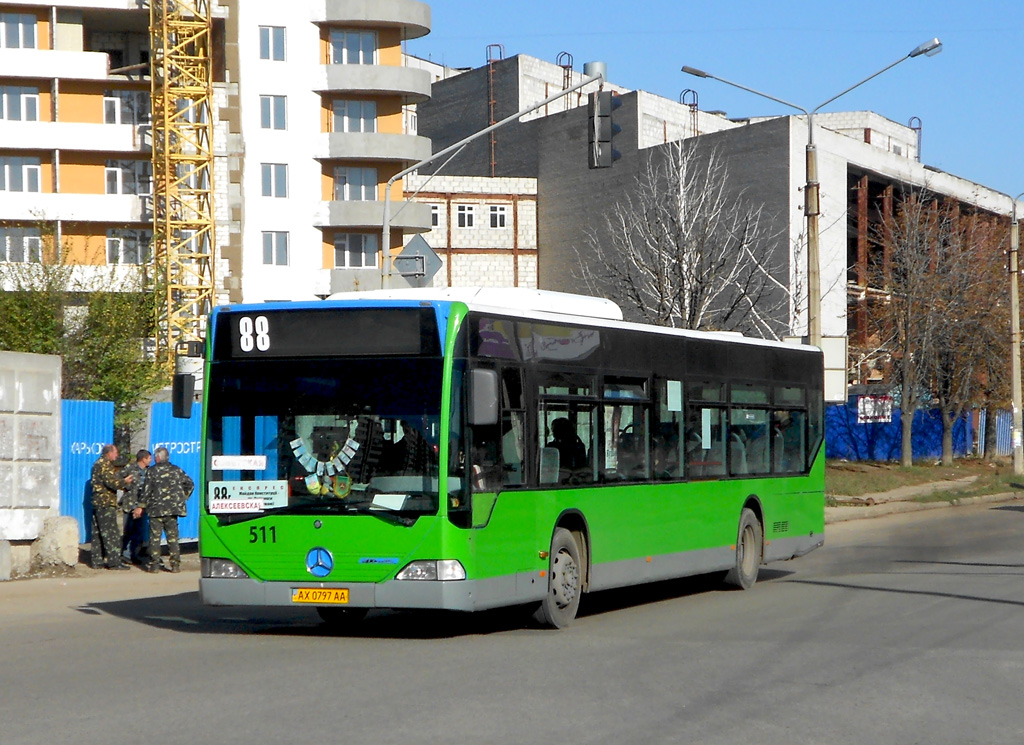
<point x="222" y="569"/>
<point x="442" y="569"/>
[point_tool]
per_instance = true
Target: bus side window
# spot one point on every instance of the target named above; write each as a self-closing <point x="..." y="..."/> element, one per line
<point x="569" y="433"/>
<point x="625" y="446"/>
<point x="668" y="430"/>
<point x="789" y="449"/>
<point x="512" y="442"/>
<point x="705" y="441"/>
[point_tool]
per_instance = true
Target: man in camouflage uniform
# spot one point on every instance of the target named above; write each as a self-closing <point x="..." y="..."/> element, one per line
<point x="136" y="525"/>
<point x="164" y="494"/>
<point x="106" y="532"/>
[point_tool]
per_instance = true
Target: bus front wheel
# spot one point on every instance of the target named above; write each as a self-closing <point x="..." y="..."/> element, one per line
<point x="748" y="551"/>
<point x="565" y="582"/>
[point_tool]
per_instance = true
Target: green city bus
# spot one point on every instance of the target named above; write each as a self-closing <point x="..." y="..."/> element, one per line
<point x="470" y="449"/>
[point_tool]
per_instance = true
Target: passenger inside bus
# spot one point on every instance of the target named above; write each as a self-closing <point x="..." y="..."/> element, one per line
<point x="572" y="453"/>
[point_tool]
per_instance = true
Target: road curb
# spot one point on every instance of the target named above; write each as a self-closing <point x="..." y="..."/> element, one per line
<point x="843" y="514"/>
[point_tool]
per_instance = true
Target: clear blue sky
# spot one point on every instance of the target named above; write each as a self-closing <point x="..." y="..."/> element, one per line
<point x="968" y="97"/>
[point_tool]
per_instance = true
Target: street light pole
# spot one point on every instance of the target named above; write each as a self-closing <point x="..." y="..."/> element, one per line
<point x="1018" y="446"/>
<point x="812" y="202"/>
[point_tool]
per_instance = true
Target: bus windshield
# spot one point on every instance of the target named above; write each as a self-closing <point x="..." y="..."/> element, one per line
<point x="338" y="436"/>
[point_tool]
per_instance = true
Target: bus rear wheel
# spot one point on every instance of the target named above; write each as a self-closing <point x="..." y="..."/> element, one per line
<point x="565" y="582"/>
<point x="341" y="618"/>
<point x="748" y="551"/>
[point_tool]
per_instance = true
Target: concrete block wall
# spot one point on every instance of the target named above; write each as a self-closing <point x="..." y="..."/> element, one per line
<point x="30" y="430"/>
<point x="885" y="134"/>
<point x="481" y="256"/>
<point x="663" y="120"/>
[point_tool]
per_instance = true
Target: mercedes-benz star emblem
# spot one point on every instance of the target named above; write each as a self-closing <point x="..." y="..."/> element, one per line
<point x="319" y="562"/>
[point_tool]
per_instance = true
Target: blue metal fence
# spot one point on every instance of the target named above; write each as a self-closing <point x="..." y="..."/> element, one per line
<point x="181" y="437"/>
<point x="846" y="439"/>
<point x="86" y="427"/>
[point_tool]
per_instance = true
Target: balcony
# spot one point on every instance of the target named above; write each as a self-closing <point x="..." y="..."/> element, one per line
<point x="112" y="208"/>
<point x="413" y="217"/>
<point x="53" y="63"/>
<point x="377" y="146"/>
<point x="413" y="18"/>
<point x="408" y="83"/>
<point x="104" y="138"/>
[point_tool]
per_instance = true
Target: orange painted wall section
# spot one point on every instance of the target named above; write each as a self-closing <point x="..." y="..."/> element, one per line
<point x="83" y="173"/>
<point x="80" y="102"/>
<point x="85" y="243"/>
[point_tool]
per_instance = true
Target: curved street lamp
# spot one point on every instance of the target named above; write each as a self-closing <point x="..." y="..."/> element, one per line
<point x="811" y="194"/>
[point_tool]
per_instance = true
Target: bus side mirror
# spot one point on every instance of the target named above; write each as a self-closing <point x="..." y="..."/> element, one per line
<point x="183" y="391"/>
<point x="483" y="397"/>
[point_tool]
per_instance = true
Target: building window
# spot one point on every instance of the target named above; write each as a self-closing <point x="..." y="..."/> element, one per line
<point x="20" y="174"/>
<point x="465" y="214"/>
<point x="275" y="248"/>
<point x="17" y="31"/>
<point x="350" y="47"/>
<point x="272" y="43"/>
<point x="435" y="215"/>
<point x="129" y="177"/>
<point x="272" y="112"/>
<point x="126" y="107"/>
<point x="129" y="246"/>
<point x="355" y="250"/>
<point x="275" y="179"/>
<point x="355" y="184"/>
<point x="355" y="116"/>
<point x="21" y="245"/>
<point x="498" y="212"/>
<point x="19" y="104"/>
<point x="193" y="112"/>
<point x="192" y="176"/>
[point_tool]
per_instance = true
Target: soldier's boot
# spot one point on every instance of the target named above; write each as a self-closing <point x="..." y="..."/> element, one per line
<point x="153" y="567"/>
<point x="175" y="566"/>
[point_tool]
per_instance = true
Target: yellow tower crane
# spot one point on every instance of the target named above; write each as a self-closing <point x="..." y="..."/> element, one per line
<point x="183" y="216"/>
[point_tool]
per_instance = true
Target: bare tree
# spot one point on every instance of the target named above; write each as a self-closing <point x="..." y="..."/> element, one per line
<point x="938" y="318"/>
<point x="906" y="323"/>
<point x="966" y="364"/>
<point x="685" y="248"/>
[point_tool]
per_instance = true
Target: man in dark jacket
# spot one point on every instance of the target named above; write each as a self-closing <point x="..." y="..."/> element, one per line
<point x="106" y="532"/>
<point x="164" y="494"/>
<point x="136" y="523"/>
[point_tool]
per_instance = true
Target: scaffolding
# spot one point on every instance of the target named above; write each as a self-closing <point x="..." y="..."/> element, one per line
<point x="183" y="157"/>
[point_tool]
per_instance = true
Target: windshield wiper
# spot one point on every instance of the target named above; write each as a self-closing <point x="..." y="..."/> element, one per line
<point x="388" y="516"/>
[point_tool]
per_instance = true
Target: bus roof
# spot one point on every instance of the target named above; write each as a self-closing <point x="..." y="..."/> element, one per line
<point x="507" y="299"/>
<point x="543" y="304"/>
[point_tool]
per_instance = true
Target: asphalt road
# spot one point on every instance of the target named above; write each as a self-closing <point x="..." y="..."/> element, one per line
<point x="903" y="629"/>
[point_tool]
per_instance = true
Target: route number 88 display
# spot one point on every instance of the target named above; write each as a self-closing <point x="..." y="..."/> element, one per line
<point x="253" y="333"/>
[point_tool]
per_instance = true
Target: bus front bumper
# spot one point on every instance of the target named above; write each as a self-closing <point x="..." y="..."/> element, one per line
<point x="463" y="595"/>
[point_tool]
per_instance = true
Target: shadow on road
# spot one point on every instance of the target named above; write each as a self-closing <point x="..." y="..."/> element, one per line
<point x="184" y="613"/>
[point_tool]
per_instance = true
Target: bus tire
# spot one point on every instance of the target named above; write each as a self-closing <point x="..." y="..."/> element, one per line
<point x="565" y="582"/>
<point x="340" y="619"/>
<point x="748" y="551"/>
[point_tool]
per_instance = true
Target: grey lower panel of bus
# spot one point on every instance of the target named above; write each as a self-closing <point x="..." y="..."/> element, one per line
<point x="464" y="595"/>
<point x="688" y="563"/>
<point x="524" y="587"/>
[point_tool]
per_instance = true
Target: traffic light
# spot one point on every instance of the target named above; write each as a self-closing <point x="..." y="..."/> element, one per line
<point x="602" y="129"/>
